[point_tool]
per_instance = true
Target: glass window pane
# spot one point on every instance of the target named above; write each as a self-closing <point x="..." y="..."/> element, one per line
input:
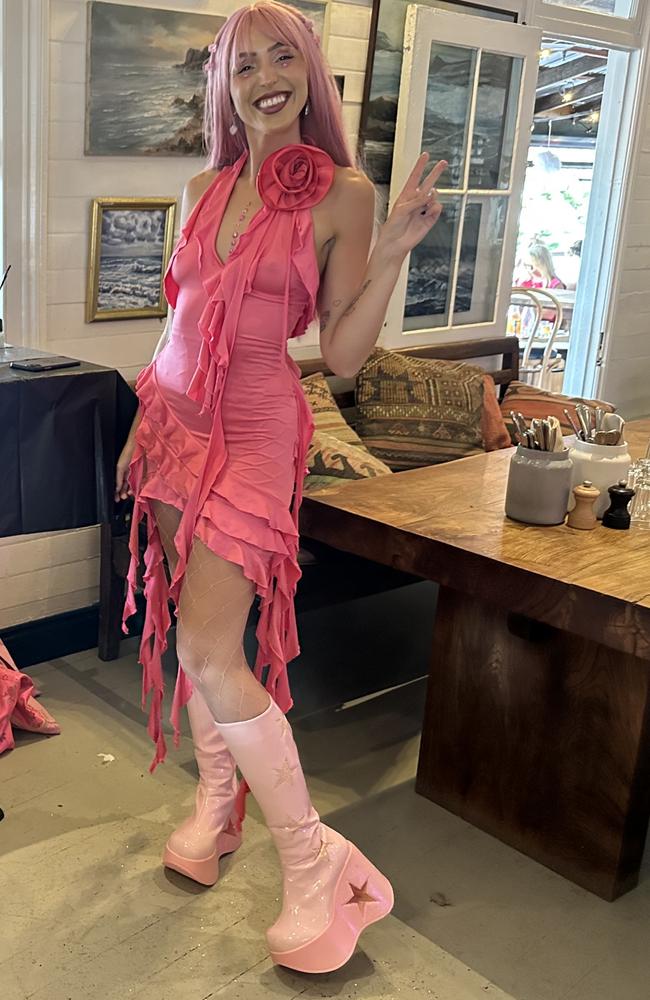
<point x="480" y="260"/>
<point x="446" y="115"/>
<point x="429" y="284"/>
<point x="621" y="8"/>
<point x="377" y="133"/>
<point x="495" y="122"/>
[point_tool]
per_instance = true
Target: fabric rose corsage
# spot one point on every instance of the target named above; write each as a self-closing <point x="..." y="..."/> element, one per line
<point x="297" y="176"/>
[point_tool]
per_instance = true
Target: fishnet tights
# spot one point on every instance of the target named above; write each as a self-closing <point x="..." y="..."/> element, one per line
<point x="214" y="602"/>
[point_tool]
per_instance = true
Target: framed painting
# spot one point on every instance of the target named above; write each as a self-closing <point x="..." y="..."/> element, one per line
<point x="130" y="246"/>
<point x="144" y="80"/>
<point x="383" y="72"/>
<point x="318" y="11"/>
<point x="145" y="86"/>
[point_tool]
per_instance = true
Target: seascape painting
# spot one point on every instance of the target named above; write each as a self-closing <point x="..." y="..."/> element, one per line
<point x="429" y="278"/>
<point x="145" y="83"/>
<point x="145" y="89"/>
<point x="130" y="248"/>
<point x="428" y="286"/>
<point x="448" y="94"/>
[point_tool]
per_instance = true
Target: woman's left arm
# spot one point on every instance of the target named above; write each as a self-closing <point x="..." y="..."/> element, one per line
<point x="354" y="292"/>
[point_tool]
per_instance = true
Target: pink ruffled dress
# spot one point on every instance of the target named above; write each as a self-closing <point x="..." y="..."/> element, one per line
<point x="225" y="426"/>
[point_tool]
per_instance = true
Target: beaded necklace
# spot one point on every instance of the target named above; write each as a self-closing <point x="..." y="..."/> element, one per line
<point x="236" y="233"/>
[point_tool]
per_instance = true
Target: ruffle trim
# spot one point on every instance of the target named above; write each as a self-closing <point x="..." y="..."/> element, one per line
<point x="173" y="456"/>
<point x="268" y="557"/>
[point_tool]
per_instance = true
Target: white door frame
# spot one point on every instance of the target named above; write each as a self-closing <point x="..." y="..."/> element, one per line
<point x="24" y="86"/>
<point x="618" y="145"/>
<point x="629" y="40"/>
<point x="602" y="246"/>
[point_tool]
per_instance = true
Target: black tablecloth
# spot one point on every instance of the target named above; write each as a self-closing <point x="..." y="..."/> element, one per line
<point x="60" y="434"/>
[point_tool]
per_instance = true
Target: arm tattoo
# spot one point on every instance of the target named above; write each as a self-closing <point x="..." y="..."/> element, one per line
<point x="324" y="320"/>
<point x="356" y="298"/>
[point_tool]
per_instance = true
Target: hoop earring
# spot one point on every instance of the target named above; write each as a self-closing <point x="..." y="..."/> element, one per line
<point x="307" y="108"/>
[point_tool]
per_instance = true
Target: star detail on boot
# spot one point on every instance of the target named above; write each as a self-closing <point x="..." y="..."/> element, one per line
<point x="323" y="851"/>
<point x="296" y="824"/>
<point x="360" y="896"/>
<point x="284" y="725"/>
<point x="285" y="773"/>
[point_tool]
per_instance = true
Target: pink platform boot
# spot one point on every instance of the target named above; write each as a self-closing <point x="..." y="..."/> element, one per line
<point x="213" y="829"/>
<point x="331" y="891"/>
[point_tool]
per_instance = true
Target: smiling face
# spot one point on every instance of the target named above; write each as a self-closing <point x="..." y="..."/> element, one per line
<point x="268" y="82"/>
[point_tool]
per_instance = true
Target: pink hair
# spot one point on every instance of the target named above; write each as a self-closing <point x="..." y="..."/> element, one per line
<point x="324" y="125"/>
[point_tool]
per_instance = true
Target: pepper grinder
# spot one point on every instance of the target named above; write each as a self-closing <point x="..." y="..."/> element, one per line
<point x="583" y="515"/>
<point x="617" y="514"/>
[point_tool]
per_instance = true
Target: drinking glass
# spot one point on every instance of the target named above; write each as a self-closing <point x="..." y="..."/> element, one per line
<point x="639" y="480"/>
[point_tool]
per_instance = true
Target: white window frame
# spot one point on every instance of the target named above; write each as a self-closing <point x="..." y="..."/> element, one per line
<point x="423" y="25"/>
<point x="616" y="32"/>
<point x="24" y="86"/>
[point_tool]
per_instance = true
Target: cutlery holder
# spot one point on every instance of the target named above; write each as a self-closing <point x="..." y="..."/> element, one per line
<point x="539" y="484"/>
<point x="602" y="464"/>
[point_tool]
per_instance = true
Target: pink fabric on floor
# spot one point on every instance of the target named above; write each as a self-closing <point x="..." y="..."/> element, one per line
<point x="225" y="425"/>
<point x="18" y="706"/>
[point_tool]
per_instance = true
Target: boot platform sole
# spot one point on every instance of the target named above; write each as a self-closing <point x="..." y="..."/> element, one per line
<point x="362" y="897"/>
<point x="202" y="870"/>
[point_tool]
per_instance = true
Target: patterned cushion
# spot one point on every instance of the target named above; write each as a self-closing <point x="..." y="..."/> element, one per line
<point x="327" y="416"/>
<point x="331" y="460"/>
<point x="533" y="402"/>
<point x="414" y="412"/>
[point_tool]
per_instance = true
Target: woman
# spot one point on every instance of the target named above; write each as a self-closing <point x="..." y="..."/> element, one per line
<point x="277" y="228"/>
<point x="541" y="268"/>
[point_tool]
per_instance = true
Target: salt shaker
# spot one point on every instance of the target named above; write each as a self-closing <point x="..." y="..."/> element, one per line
<point x="617" y="515"/>
<point x="583" y="515"/>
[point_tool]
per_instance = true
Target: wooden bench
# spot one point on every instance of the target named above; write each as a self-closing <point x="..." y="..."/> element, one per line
<point x="324" y="567"/>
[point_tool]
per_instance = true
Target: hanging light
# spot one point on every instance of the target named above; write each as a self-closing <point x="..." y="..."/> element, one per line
<point x="548" y="161"/>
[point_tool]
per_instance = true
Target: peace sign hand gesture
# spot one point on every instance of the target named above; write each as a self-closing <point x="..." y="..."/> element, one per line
<point x="415" y="211"/>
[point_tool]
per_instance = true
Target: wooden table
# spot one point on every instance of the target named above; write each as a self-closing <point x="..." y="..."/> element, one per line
<point x="537" y="722"/>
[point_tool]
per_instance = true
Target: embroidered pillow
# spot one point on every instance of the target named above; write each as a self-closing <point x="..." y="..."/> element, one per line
<point x="533" y="402"/>
<point x="331" y="460"/>
<point x="414" y="412"/>
<point x="327" y="416"/>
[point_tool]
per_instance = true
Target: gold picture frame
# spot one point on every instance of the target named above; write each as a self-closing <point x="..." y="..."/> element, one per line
<point x="131" y="241"/>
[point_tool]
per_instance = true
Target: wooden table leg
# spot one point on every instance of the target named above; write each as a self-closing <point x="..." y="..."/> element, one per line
<point x="542" y="739"/>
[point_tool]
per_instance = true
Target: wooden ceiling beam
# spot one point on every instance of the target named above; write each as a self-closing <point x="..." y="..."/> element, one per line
<point x="565" y="72"/>
<point x="585" y="92"/>
<point x="568" y="111"/>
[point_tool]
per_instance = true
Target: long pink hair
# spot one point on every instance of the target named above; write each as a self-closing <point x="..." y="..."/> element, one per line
<point x="323" y="126"/>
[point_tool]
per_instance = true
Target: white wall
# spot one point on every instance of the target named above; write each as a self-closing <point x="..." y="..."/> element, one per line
<point x="46" y="574"/>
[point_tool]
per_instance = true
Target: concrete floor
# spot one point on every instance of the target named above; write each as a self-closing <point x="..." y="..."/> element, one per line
<point x="89" y="913"/>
